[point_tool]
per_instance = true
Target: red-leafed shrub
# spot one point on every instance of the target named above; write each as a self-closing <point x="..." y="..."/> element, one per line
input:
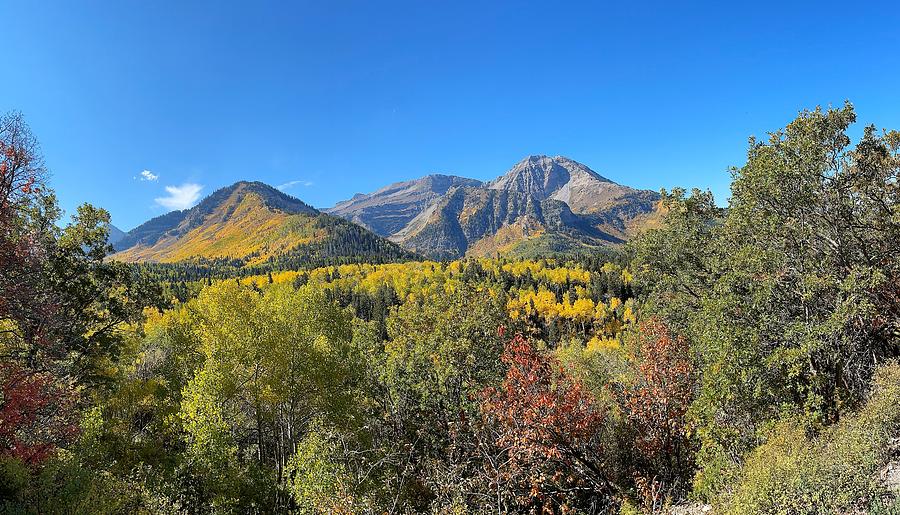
<point x="36" y="414"/>
<point x="63" y="306"/>
<point x="656" y="405"/>
<point x="550" y="432"/>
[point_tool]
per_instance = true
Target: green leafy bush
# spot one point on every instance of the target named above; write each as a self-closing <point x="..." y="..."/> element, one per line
<point x="833" y="472"/>
<point x="318" y="481"/>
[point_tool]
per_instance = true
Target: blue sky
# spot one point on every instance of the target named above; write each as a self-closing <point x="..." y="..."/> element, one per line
<point x="333" y="98"/>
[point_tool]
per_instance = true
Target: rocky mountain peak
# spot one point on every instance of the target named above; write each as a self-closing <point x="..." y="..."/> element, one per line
<point x="543" y="203"/>
<point x="543" y="176"/>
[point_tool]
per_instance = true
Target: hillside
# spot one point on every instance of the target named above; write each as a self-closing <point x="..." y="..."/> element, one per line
<point x="542" y="205"/>
<point x="253" y="223"/>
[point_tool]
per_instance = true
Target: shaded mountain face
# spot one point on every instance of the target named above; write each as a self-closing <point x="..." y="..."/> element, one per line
<point x="391" y="208"/>
<point x="115" y="235"/>
<point x="542" y="205"/>
<point x="484" y="221"/>
<point x="253" y="223"/>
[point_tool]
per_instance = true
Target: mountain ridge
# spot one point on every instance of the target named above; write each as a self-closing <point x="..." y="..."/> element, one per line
<point x="114" y="234"/>
<point x="540" y="205"/>
<point x="468" y="219"/>
<point x="388" y="209"/>
<point x="253" y="223"/>
<point x="158" y="226"/>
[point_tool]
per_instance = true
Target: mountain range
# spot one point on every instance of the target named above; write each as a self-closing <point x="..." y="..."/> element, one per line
<point x="251" y="223"/>
<point x="542" y="205"/>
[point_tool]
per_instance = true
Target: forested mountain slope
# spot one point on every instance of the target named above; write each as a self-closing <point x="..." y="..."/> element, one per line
<point x="253" y="223"/>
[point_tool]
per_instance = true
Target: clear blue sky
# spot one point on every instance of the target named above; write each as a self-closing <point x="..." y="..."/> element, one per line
<point x="340" y="97"/>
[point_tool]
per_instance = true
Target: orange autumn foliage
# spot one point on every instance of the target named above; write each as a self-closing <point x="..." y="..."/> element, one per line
<point x="655" y="406"/>
<point x="549" y="428"/>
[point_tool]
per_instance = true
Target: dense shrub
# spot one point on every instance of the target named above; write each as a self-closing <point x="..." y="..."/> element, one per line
<point x="833" y="472"/>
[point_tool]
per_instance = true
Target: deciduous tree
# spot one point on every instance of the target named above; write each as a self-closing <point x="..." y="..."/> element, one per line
<point x="551" y="433"/>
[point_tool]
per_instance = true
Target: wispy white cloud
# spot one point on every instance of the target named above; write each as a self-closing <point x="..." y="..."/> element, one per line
<point x="180" y="197"/>
<point x="290" y="184"/>
<point x="147" y="175"/>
